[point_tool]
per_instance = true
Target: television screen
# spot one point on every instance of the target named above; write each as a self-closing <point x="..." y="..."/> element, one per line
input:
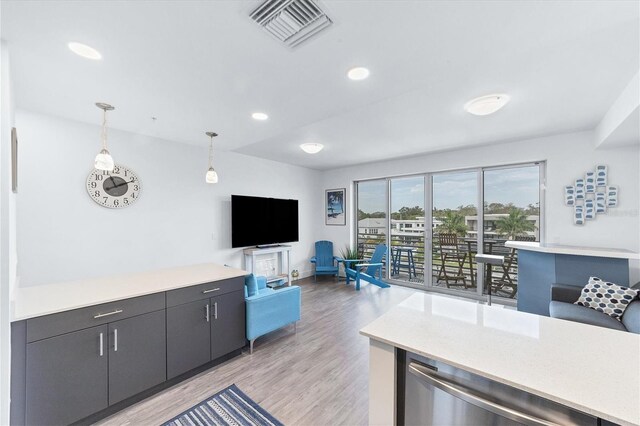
<point x="263" y="221"/>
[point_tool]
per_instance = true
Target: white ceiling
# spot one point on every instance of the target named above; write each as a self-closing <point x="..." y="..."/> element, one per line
<point x="204" y="65"/>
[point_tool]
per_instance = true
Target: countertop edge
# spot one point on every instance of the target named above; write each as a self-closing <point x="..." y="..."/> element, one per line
<point x="571" y="404"/>
<point x="576" y="251"/>
<point x="233" y="273"/>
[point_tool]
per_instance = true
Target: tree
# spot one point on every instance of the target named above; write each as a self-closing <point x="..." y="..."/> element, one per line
<point x="514" y="224"/>
<point x="452" y="222"/>
<point x="408" y="213"/>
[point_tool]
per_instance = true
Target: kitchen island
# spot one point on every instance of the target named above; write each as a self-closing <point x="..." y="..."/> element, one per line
<point x="588" y="369"/>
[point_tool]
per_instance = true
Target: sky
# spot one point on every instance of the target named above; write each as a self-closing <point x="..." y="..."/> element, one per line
<point x="519" y="186"/>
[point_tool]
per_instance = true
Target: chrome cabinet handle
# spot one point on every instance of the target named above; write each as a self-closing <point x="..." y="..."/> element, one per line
<point x="101" y="344"/>
<point x="215" y="310"/>
<point x="449" y="387"/>
<point x="206" y="313"/>
<point x="117" y="311"/>
<point x="210" y="291"/>
<point x="115" y="340"/>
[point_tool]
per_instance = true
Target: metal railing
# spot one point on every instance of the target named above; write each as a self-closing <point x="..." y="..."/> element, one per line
<point x="504" y="280"/>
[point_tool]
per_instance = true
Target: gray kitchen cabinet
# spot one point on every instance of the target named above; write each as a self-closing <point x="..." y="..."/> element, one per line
<point x="66" y="377"/>
<point x="227" y="323"/>
<point x="137" y="355"/>
<point x="188" y="337"/>
<point x="81" y="364"/>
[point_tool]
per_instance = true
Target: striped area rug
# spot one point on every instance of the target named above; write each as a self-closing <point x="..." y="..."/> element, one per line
<point x="230" y="406"/>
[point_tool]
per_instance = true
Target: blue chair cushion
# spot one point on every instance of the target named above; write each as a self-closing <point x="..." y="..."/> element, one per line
<point x="252" y="285"/>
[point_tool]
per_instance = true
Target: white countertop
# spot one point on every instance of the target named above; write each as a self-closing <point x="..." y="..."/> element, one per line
<point x="591" y="369"/>
<point x="35" y="301"/>
<point x="575" y="250"/>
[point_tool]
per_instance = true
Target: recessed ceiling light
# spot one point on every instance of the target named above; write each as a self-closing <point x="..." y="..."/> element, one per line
<point x="312" y="148"/>
<point x="85" y="51"/>
<point x="485" y="105"/>
<point x="259" y="116"/>
<point x="358" y="73"/>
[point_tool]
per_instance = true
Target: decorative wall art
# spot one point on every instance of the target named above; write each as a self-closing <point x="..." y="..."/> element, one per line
<point x="590" y="183"/>
<point x="591" y="196"/>
<point x="589" y="211"/>
<point x="578" y="217"/>
<point x="569" y="196"/>
<point x="612" y="196"/>
<point x="601" y="202"/>
<point x="601" y="175"/>
<point x="335" y="207"/>
<point x="14" y="160"/>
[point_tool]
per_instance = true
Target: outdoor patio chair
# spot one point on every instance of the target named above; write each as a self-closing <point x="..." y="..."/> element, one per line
<point x="451" y="259"/>
<point x="508" y="283"/>
<point x="324" y="260"/>
<point x="360" y="269"/>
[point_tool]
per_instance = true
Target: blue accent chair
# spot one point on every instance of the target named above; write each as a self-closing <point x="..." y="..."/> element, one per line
<point x="367" y="271"/>
<point x="269" y="309"/>
<point x="324" y="260"/>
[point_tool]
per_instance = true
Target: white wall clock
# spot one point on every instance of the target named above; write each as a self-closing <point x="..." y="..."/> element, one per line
<point x="116" y="189"/>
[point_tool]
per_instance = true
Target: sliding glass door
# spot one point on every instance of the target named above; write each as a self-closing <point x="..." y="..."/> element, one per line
<point x="407" y="236"/>
<point x="511" y="212"/>
<point x="434" y="227"/>
<point x="372" y="227"/>
<point x="454" y="230"/>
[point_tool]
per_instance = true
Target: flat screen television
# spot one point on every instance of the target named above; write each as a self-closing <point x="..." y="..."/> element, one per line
<point x="258" y="221"/>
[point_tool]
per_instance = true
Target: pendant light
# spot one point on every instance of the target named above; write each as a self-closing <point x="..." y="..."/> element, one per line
<point x="103" y="160"/>
<point x="212" y="176"/>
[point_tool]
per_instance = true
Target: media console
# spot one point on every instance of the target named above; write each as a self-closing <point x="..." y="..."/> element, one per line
<point x="281" y="270"/>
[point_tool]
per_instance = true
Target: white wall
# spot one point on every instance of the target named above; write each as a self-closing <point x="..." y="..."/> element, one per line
<point x="8" y="258"/>
<point x="568" y="156"/>
<point x="178" y="220"/>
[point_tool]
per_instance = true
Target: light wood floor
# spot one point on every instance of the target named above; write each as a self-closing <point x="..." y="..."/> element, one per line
<point x="317" y="376"/>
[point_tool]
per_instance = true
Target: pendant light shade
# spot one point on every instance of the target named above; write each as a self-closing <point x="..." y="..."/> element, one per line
<point x="211" y="176"/>
<point x="103" y="160"/>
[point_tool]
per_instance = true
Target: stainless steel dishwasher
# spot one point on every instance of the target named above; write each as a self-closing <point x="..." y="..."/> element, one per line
<point x="434" y="393"/>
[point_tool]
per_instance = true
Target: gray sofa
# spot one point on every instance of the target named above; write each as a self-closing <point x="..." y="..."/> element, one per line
<point x="561" y="306"/>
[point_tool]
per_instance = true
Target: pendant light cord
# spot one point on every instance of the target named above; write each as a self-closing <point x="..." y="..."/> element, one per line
<point x="104" y="129"/>
<point x="211" y="152"/>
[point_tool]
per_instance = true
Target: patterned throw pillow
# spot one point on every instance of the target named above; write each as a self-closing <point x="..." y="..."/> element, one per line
<point x="608" y="298"/>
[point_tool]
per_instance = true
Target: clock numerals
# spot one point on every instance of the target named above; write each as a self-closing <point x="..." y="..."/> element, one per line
<point x="116" y="189"/>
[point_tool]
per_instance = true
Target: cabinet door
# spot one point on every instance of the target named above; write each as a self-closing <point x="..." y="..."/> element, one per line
<point x="137" y="355"/>
<point x="227" y="323"/>
<point x="67" y="377"/>
<point x="188" y="337"/>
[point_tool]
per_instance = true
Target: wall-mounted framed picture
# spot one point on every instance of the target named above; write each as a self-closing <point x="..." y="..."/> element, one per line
<point x="335" y="207"/>
<point x="14" y="160"/>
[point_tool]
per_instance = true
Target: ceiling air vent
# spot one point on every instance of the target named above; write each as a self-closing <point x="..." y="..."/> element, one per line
<point x="291" y="21"/>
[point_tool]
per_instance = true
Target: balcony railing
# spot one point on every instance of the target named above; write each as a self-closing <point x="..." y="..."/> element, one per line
<point x="407" y="262"/>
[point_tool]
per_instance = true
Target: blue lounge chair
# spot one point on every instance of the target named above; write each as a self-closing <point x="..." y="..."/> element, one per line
<point x="324" y="260"/>
<point x="367" y="271"/>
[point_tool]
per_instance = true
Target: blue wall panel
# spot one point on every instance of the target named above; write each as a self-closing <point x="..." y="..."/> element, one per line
<point x="536" y="272"/>
<point x="576" y="270"/>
